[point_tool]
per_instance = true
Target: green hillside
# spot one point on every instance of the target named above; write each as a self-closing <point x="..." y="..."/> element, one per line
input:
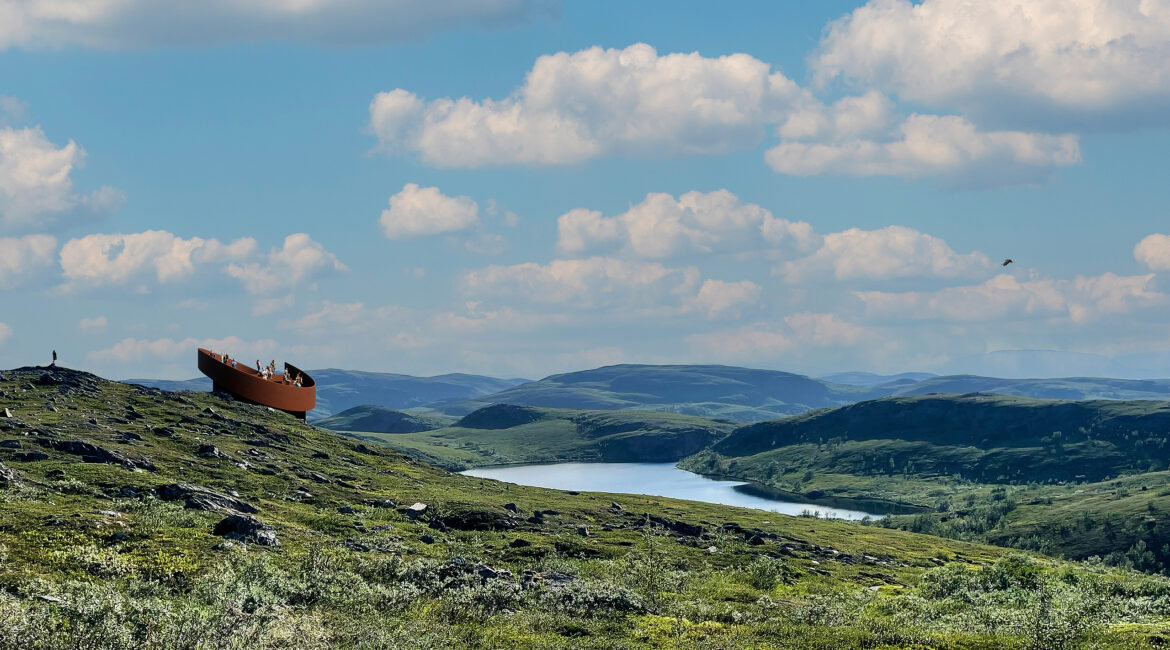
<point x="135" y="518"/>
<point x="506" y="434"/>
<point x="379" y="419"/>
<point x="725" y="392"/>
<point x="1076" y="478"/>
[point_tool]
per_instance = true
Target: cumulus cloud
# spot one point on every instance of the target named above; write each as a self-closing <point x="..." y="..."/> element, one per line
<point x="764" y="340"/>
<point x="118" y="24"/>
<point x="1023" y="60"/>
<point x="581" y="105"/>
<point x="930" y="145"/>
<point x="824" y="330"/>
<point x="890" y="252"/>
<point x="114" y="259"/>
<point x="611" y="284"/>
<point x="418" y="211"/>
<point x="596" y="282"/>
<point x="130" y="350"/>
<point x="1005" y="297"/>
<point x="5" y="332"/>
<point x="716" y="297"/>
<point x="24" y="257"/>
<point x="1154" y="252"/>
<point x="662" y="226"/>
<point x="95" y="324"/>
<point x="298" y="260"/>
<point x="36" y="182"/>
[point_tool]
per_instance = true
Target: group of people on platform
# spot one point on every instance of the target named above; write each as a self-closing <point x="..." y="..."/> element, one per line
<point x="267" y="372"/>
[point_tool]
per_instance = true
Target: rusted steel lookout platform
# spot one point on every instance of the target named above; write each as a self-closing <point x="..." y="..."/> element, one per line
<point x="245" y="384"/>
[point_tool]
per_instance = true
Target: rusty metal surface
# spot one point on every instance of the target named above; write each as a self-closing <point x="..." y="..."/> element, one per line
<point x="245" y="383"/>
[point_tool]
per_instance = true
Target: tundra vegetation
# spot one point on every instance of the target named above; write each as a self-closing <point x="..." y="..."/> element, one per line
<point x="136" y="518"/>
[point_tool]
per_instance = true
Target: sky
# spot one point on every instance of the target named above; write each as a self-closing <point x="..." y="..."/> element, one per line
<point x="523" y="187"/>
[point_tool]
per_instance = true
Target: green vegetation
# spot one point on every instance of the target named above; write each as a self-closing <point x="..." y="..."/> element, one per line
<point x="379" y="419"/>
<point x="505" y="434"/>
<point x="1084" y="480"/>
<point x="132" y="518"/>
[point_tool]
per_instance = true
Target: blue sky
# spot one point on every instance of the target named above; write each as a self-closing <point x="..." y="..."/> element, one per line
<point x="517" y="188"/>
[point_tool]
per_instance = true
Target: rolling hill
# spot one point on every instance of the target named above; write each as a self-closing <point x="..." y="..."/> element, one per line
<point x="505" y="434"/>
<point x="1080" y="478"/>
<point x="726" y="392"/>
<point x="379" y="419"/>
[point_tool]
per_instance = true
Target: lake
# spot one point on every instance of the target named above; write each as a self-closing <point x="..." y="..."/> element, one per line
<point x="654" y="479"/>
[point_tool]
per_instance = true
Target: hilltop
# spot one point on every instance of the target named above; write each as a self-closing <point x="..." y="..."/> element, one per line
<point x="379" y="419"/>
<point x="726" y="392"/>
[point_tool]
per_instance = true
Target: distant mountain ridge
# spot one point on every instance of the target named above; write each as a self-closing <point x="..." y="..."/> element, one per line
<point x="874" y="379"/>
<point x="730" y="392"/>
<point x="713" y="391"/>
<point x="339" y="390"/>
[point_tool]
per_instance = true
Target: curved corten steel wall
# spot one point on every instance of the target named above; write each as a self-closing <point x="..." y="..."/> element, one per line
<point x="246" y="384"/>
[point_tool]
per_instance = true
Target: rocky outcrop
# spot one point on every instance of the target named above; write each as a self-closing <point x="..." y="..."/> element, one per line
<point x="197" y="497"/>
<point x="246" y="528"/>
<point x="91" y="453"/>
<point x="8" y="475"/>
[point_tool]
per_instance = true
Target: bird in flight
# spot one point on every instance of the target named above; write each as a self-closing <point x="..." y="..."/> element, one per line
<point x="1007" y="261"/>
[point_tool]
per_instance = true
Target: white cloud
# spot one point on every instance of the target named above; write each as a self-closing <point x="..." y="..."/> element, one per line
<point x="298" y="260"/>
<point x="266" y="306"/>
<point x="824" y="330"/>
<point x="118" y="24"/>
<point x="1006" y="298"/>
<point x="95" y="324"/>
<point x="766" y="340"/>
<point x="931" y="145"/>
<point x="661" y="226"/>
<point x="581" y="105"/>
<point x="332" y="316"/>
<point x="11" y="108"/>
<point x="418" y="211"/>
<point x="130" y="350"/>
<point x="591" y="283"/>
<point x="1154" y="252"/>
<point x="36" y="183"/>
<point x="114" y="259"/>
<point x="504" y="319"/>
<point x="717" y="297"/>
<point x="611" y="284"/>
<point x="1026" y="60"/>
<point x="890" y="252"/>
<point x="22" y="258"/>
<point x="5" y="332"/>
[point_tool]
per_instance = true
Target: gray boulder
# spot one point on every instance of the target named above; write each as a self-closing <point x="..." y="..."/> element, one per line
<point x="246" y="528"/>
<point x="197" y="497"/>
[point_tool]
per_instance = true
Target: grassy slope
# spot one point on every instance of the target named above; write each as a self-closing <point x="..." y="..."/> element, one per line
<point x="504" y="434"/>
<point x="87" y="556"/>
<point x="379" y="419"/>
<point x="990" y="467"/>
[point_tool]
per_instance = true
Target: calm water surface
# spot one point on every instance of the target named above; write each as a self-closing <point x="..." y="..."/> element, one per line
<point x="654" y="479"/>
